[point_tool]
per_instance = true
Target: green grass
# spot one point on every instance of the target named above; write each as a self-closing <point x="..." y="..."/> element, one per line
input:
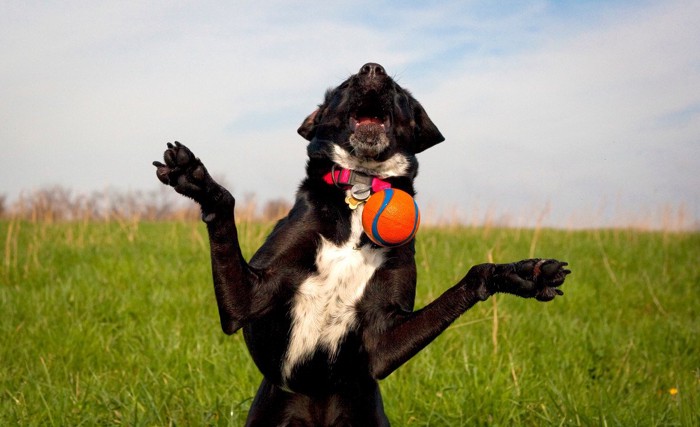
<point x="116" y="323"/>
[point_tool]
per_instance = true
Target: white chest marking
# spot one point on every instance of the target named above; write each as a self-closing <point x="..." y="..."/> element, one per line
<point x="323" y="309"/>
<point x="396" y="165"/>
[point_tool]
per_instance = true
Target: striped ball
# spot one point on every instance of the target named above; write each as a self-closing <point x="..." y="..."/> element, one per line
<point x="390" y="217"/>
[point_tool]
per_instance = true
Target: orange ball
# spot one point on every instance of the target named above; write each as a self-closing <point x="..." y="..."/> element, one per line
<point x="390" y="217"/>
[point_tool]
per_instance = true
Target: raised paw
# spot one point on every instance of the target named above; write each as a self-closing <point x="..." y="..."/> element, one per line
<point x="188" y="176"/>
<point x="183" y="171"/>
<point x="535" y="278"/>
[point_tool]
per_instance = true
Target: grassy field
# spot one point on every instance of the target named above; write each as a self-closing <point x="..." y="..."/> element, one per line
<point x="116" y="323"/>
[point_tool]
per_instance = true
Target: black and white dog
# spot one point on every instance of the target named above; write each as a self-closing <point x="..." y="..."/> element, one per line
<point x="325" y="312"/>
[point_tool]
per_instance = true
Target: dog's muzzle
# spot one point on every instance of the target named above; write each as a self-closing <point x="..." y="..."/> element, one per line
<point x="371" y="121"/>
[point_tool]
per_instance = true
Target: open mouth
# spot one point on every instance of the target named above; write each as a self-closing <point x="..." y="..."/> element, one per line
<point x="371" y="114"/>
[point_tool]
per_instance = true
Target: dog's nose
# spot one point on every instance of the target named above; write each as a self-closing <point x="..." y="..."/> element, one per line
<point x="372" y="70"/>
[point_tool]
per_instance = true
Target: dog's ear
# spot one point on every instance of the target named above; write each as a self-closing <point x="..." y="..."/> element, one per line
<point x="426" y="134"/>
<point x="308" y="126"/>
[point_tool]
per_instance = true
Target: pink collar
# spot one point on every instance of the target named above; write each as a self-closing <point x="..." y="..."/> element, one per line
<point x="349" y="178"/>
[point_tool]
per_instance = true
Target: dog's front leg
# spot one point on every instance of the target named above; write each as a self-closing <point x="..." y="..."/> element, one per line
<point x="406" y="333"/>
<point x="234" y="280"/>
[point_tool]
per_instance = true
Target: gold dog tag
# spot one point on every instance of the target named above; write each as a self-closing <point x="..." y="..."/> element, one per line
<point x="352" y="202"/>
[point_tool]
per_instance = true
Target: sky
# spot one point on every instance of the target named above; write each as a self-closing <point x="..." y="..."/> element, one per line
<point x="567" y="114"/>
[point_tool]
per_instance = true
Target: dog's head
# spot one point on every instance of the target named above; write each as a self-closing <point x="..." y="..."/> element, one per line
<point x="371" y="118"/>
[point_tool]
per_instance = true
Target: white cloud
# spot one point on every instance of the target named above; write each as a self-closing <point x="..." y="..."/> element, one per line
<point x="578" y="120"/>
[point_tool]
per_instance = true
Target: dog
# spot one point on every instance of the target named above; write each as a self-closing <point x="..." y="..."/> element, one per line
<point x="325" y="312"/>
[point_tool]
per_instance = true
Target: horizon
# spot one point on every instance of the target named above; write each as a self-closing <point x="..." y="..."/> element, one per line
<point x="60" y="204"/>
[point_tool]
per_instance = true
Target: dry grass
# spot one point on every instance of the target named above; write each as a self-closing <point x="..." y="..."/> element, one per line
<point x="53" y="204"/>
